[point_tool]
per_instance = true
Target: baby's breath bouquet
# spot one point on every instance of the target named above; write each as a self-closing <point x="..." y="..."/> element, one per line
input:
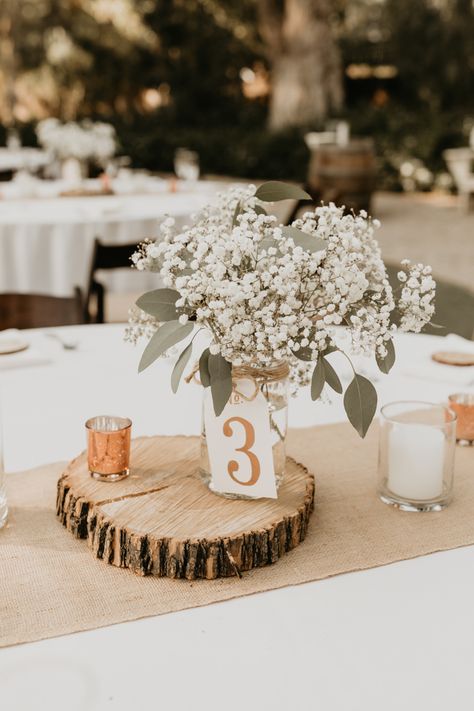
<point x="84" y="141"/>
<point x="267" y="293"/>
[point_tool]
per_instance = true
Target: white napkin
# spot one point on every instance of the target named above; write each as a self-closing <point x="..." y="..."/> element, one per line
<point x="425" y="368"/>
<point x="23" y="359"/>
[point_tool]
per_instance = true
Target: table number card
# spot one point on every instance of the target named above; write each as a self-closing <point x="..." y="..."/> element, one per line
<point x="239" y="444"/>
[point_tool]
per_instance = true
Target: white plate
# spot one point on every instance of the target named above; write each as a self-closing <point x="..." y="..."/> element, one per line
<point x="12" y="345"/>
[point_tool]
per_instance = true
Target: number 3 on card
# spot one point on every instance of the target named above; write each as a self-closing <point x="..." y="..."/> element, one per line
<point x="233" y="465"/>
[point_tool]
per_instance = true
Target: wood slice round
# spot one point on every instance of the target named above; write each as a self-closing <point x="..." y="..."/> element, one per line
<point x="163" y="520"/>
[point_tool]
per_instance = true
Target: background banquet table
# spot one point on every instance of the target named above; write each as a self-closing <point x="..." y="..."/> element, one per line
<point x="20" y="158"/>
<point x="389" y="637"/>
<point x="46" y="242"/>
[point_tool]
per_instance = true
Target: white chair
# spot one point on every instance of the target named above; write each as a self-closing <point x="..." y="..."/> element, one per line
<point x="459" y="162"/>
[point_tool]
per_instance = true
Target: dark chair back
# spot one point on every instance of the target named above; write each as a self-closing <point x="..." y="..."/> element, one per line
<point x="454" y="307"/>
<point x="105" y="257"/>
<point x="40" y="311"/>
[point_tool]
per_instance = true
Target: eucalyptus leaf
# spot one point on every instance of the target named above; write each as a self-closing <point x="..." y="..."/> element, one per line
<point x="268" y="242"/>
<point x="330" y="349"/>
<point x="167" y="335"/>
<point x="385" y="364"/>
<point x="237" y="211"/>
<point x="360" y="403"/>
<point x="220" y="372"/>
<point x="332" y="377"/>
<point x="179" y="367"/>
<point x="274" y="191"/>
<point x="303" y="240"/>
<point x="318" y="379"/>
<point x="304" y="353"/>
<point x="187" y="258"/>
<point x="160" y="303"/>
<point x="204" y="368"/>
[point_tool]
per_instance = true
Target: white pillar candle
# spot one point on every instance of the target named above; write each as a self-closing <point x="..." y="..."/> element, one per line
<point x="416" y="462"/>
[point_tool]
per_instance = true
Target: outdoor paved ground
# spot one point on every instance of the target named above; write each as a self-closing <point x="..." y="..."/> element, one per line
<point x="428" y="228"/>
<point x="424" y="227"/>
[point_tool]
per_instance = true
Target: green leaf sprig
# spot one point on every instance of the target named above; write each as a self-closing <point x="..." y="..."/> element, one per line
<point x="220" y="374"/>
<point x="165" y="337"/>
<point x="386" y="364"/>
<point x="160" y="303"/>
<point x="274" y="191"/>
<point x="360" y="398"/>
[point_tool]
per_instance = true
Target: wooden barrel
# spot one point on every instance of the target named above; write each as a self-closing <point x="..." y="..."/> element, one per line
<point x="344" y="175"/>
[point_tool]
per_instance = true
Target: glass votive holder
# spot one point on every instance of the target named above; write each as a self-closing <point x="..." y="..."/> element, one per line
<point x="463" y="406"/>
<point x="416" y="455"/>
<point x="108" y="447"/>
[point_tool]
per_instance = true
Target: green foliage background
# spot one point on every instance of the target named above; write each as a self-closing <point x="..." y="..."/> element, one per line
<point x="201" y="47"/>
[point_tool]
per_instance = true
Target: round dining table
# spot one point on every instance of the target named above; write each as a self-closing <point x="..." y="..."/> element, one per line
<point x="46" y="240"/>
<point x="395" y="637"/>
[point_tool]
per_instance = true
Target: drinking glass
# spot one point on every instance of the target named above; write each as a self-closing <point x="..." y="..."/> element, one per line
<point x="416" y="455"/>
<point x="186" y="164"/>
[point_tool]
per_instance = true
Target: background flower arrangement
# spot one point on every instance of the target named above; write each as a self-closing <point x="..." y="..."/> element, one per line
<point x="266" y="293"/>
<point x="88" y="140"/>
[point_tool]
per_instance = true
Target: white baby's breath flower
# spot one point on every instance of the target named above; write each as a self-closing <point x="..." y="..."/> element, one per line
<point x="85" y="141"/>
<point x="264" y="296"/>
<point x="416" y="304"/>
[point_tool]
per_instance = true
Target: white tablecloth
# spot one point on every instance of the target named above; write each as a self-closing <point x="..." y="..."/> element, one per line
<point x="46" y="244"/>
<point x="18" y="158"/>
<point x="391" y="638"/>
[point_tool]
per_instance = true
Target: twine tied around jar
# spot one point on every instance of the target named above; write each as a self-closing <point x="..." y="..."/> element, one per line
<point x="259" y="375"/>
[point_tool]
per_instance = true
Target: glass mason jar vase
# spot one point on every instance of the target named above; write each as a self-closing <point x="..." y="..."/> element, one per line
<point x="260" y="393"/>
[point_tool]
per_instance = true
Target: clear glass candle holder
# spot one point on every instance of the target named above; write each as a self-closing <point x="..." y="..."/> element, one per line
<point x="108" y="447"/>
<point x="463" y="406"/>
<point x="416" y="455"/>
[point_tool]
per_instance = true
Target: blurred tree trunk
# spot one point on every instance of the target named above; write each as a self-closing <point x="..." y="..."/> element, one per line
<point x="305" y="61"/>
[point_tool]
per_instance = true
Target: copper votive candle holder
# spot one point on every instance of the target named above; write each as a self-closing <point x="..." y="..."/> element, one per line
<point x="463" y="406"/>
<point x="108" y="447"/>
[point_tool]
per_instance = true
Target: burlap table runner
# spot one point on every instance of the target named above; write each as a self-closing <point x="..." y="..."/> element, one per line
<point x="50" y="584"/>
